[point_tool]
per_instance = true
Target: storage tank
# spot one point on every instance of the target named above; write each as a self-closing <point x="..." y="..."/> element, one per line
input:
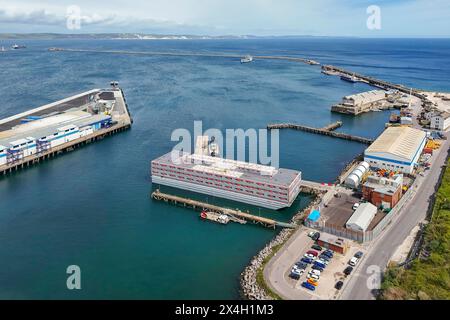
<point x="361" y="168"/>
<point x="352" y="180"/>
<point x="359" y="173"/>
<point x="365" y="165"/>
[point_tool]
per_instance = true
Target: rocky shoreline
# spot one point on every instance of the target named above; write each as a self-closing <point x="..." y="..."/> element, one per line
<point x="250" y="288"/>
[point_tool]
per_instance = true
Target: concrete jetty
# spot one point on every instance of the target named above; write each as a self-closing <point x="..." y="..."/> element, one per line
<point x="386" y="85"/>
<point x="198" y="205"/>
<point x="192" y="54"/>
<point x="327" y="131"/>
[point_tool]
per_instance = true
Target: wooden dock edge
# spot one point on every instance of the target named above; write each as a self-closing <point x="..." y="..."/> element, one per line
<point x="198" y="205"/>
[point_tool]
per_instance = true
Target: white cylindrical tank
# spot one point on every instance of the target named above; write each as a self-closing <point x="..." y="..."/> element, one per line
<point x="357" y="172"/>
<point x="361" y="168"/>
<point x="365" y="165"/>
<point x="352" y="180"/>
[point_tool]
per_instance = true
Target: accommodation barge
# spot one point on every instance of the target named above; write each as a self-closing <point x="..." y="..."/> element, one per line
<point x="251" y="183"/>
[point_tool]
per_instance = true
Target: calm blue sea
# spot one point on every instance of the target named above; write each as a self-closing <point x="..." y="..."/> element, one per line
<point x="92" y="207"/>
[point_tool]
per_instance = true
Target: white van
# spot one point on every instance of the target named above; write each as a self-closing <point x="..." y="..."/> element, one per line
<point x="353" y="261"/>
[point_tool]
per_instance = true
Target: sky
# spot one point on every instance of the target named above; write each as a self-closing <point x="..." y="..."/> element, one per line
<point x="396" y="18"/>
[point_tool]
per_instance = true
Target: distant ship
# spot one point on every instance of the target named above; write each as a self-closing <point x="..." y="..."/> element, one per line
<point x="247" y="59"/>
<point x="2" y="49"/>
<point x="347" y="78"/>
<point x="312" y="62"/>
<point x="16" y="46"/>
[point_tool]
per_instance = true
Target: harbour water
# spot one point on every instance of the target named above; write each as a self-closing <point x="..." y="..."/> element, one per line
<point x="92" y="207"/>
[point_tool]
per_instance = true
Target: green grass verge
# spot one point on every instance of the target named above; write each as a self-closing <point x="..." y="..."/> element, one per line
<point x="430" y="278"/>
<point x="260" y="274"/>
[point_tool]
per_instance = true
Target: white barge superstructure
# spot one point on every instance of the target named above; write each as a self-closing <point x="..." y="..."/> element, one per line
<point x="46" y="131"/>
<point x="255" y="184"/>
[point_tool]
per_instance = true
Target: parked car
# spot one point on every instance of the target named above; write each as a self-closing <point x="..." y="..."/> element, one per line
<point x="355" y="206"/>
<point x="308" y="286"/>
<point x="316" y="236"/>
<point x="306" y="260"/>
<point x="323" y="261"/>
<point x="324" y="257"/>
<point x="316" y="272"/>
<point x="297" y="269"/>
<point x="311" y="234"/>
<point x="313" y="282"/>
<point x="316" y="247"/>
<point x="353" y="261"/>
<point x="301" y="265"/>
<point x="348" y="270"/>
<point x="359" y="254"/>
<point x="338" y="285"/>
<point x="314" y="253"/>
<point x="315" y="267"/>
<point x="313" y="276"/>
<point x="294" y="276"/>
<point x="310" y="256"/>
<point x="319" y="264"/>
<point x="329" y="253"/>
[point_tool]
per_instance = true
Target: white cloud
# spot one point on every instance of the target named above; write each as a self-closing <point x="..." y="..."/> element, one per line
<point x="43" y="17"/>
<point x="260" y="17"/>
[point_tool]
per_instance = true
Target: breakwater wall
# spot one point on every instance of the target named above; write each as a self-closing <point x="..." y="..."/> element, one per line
<point x="190" y="54"/>
<point x="386" y="85"/>
<point x="322" y="131"/>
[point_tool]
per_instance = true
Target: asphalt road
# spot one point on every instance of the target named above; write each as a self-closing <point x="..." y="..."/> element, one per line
<point x="385" y="246"/>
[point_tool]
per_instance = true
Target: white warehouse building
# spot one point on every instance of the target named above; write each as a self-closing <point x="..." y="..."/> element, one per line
<point x="396" y="149"/>
<point x="362" y="217"/>
<point x="440" y="121"/>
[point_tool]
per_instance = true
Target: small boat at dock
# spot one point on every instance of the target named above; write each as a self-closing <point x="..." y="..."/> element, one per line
<point x="348" y="78"/>
<point x="214" y="216"/>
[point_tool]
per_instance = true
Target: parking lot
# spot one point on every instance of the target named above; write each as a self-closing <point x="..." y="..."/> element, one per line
<point x="339" y="210"/>
<point x="331" y="274"/>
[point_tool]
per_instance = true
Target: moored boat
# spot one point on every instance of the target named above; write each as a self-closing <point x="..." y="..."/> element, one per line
<point x="214" y="216"/>
<point x="348" y="78"/>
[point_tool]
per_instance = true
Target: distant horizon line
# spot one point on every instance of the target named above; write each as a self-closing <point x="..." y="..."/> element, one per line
<point x="181" y="36"/>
